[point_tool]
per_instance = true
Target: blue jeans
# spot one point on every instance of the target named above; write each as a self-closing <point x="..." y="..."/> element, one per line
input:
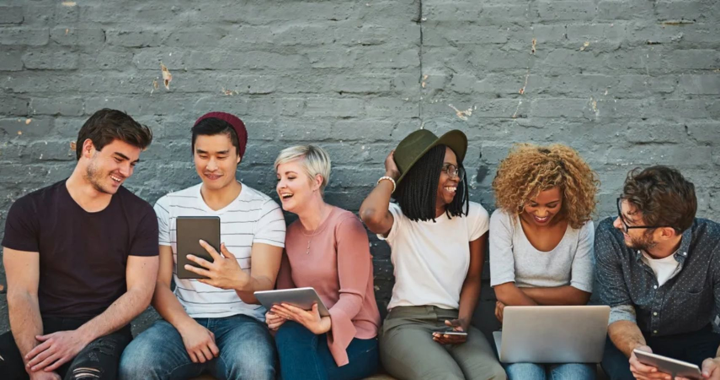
<point x="246" y="352"/>
<point x="305" y="356"/>
<point x="533" y="371"/>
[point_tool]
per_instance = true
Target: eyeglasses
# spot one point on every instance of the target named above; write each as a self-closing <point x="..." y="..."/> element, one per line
<point x="454" y="171"/>
<point x="627" y="227"/>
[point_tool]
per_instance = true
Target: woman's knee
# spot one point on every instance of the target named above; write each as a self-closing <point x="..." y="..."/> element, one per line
<point x="293" y="331"/>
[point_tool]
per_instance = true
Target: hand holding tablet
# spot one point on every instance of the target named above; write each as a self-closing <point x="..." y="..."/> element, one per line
<point x="668" y="365"/>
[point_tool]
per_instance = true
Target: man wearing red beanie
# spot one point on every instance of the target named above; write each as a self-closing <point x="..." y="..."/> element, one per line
<point x="216" y="324"/>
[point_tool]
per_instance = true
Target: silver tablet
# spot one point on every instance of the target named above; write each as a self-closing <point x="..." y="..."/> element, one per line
<point x="668" y="365"/>
<point x="300" y="297"/>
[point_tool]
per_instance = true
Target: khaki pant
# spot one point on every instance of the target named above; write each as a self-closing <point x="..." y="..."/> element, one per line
<point x="408" y="351"/>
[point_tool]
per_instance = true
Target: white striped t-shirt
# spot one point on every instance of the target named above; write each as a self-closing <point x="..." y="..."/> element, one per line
<point x="252" y="217"/>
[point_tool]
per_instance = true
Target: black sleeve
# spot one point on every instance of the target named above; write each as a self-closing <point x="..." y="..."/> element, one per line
<point x="22" y="227"/>
<point x="145" y="241"/>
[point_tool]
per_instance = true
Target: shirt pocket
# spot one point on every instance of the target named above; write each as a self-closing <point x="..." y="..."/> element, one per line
<point x="695" y="303"/>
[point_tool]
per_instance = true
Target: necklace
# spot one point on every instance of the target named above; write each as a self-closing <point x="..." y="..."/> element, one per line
<point x="316" y="230"/>
<point x="310" y="237"/>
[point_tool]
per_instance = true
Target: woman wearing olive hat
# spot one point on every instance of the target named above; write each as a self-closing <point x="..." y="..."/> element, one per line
<point x="437" y="239"/>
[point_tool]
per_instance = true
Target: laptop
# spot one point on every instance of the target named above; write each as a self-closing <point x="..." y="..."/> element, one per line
<point x="552" y="334"/>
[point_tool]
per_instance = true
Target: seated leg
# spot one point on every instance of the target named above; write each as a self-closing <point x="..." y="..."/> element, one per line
<point x="246" y="348"/>
<point x="158" y="353"/>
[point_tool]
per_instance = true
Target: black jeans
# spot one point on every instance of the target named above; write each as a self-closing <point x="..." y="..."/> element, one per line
<point x="98" y="360"/>
<point x="691" y="347"/>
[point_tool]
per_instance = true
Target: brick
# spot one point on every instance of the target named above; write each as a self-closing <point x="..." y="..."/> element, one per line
<point x="442" y="34"/>
<point x="656" y="131"/>
<point x="24" y="36"/>
<point x="11" y="15"/>
<point x="567" y="10"/>
<point x="53" y="60"/>
<point x="645" y="155"/>
<point x="77" y="37"/>
<point x="475" y="11"/>
<point x="11" y="61"/>
<point x="705" y="132"/>
<point x="567" y="108"/>
<point x="700" y="84"/>
<point x="106" y="60"/>
<point x="136" y="38"/>
<point x="13" y="106"/>
<point x="26" y="128"/>
<point x="684" y="10"/>
<point x="613" y="10"/>
<point x="346" y="107"/>
<point x="65" y="106"/>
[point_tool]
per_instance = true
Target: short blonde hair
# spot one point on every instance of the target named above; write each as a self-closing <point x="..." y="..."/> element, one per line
<point x="315" y="160"/>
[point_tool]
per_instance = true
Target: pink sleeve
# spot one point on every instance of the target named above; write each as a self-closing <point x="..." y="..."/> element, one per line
<point x="354" y="262"/>
<point x="284" y="278"/>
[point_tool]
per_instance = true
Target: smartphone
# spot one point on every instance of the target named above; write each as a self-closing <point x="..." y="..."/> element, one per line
<point x="450" y="331"/>
<point x="668" y="365"/>
<point x="190" y="230"/>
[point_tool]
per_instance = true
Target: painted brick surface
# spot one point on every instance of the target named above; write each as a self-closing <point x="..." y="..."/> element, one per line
<point x="626" y="82"/>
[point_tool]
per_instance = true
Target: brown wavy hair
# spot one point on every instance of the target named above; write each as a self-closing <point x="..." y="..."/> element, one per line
<point x="529" y="169"/>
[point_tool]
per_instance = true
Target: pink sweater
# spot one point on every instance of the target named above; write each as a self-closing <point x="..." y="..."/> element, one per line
<point x="339" y="267"/>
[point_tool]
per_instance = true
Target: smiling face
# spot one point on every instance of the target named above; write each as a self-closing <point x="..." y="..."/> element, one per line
<point x="216" y="160"/>
<point x="447" y="185"/>
<point x="542" y="209"/>
<point x="294" y="187"/>
<point x="107" y="169"/>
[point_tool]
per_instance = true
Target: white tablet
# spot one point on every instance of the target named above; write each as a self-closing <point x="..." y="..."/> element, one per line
<point x="300" y="297"/>
<point x="668" y="365"/>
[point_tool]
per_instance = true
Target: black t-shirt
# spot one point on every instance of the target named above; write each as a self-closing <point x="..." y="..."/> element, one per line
<point x="83" y="255"/>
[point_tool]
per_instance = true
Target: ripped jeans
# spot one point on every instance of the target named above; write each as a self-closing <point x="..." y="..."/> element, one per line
<point x="98" y="360"/>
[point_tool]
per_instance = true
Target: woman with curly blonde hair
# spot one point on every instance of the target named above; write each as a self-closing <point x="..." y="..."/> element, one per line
<point x="541" y="239"/>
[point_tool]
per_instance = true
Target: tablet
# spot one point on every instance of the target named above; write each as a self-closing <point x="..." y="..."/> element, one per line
<point x="190" y="229"/>
<point x="668" y="365"/>
<point x="300" y="297"/>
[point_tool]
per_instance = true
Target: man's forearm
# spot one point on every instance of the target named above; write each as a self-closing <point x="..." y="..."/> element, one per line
<point x="168" y="306"/>
<point x="25" y="321"/>
<point x="253" y="285"/>
<point x="119" y="314"/>
<point x="626" y="336"/>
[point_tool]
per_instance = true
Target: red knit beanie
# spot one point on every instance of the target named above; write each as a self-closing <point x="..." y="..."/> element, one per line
<point x="235" y="122"/>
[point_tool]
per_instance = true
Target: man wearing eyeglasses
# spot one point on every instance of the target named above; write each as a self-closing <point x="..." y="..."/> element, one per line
<point x="658" y="268"/>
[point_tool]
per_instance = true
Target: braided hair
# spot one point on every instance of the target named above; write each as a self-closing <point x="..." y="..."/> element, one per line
<point x="417" y="192"/>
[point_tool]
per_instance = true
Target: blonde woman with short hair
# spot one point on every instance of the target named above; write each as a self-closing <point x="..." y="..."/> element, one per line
<point x="327" y="248"/>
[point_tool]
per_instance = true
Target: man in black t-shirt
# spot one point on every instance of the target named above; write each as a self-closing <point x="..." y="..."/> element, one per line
<point x="81" y="259"/>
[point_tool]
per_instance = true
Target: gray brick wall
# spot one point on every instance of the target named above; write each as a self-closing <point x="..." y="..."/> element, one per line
<point x="626" y="82"/>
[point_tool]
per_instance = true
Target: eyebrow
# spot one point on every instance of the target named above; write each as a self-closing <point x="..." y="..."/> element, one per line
<point x="124" y="157"/>
<point x="200" y="151"/>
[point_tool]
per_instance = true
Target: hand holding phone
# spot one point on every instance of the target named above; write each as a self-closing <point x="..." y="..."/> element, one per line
<point x="449" y="331"/>
<point x="454" y="332"/>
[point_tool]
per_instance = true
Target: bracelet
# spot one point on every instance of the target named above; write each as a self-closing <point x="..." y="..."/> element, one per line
<point x="388" y="178"/>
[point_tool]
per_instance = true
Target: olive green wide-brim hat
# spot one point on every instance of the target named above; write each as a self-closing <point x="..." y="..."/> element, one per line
<point x="416" y="144"/>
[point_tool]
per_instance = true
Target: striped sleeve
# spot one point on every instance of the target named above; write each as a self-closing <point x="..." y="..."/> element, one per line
<point x="162" y="210"/>
<point x="270" y="227"/>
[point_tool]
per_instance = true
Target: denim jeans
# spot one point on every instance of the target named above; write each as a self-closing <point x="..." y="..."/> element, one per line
<point x="532" y="371"/>
<point x="246" y="352"/>
<point x="98" y="360"/>
<point x="691" y="347"/>
<point x="305" y="356"/>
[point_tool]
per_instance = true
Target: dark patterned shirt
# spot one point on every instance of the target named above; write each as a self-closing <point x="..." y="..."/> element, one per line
<point x="687" y="302"/>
